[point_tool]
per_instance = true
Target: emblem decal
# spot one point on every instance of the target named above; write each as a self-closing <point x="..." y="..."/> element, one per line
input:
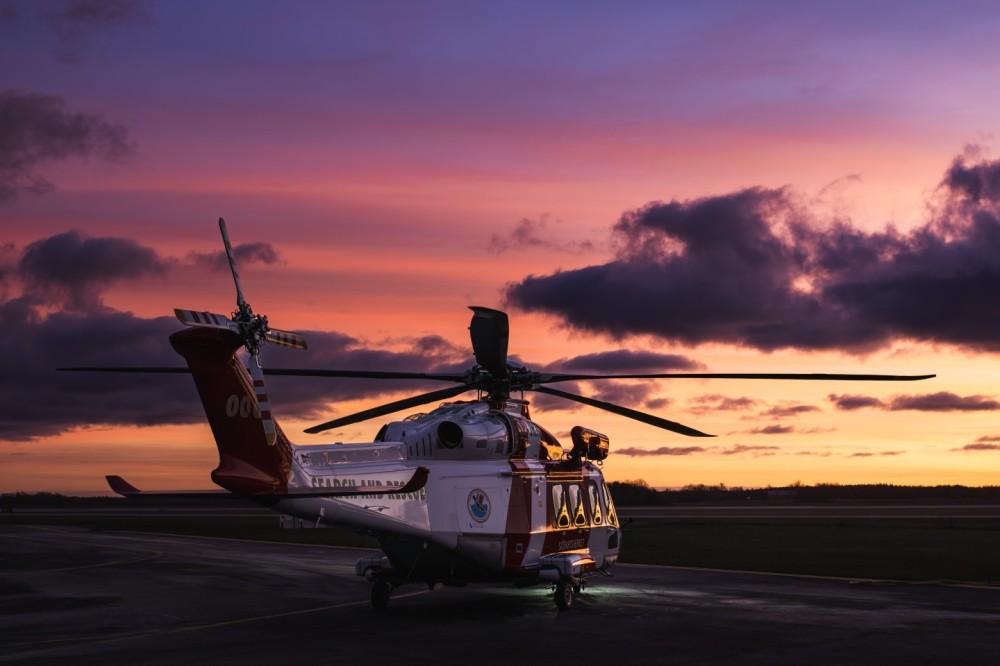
<point x="479" y="506"/>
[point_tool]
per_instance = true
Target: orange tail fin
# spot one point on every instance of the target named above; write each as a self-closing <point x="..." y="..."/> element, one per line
<point x="248" y="463"/>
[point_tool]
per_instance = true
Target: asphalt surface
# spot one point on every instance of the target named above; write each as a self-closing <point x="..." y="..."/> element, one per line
<point x="82" y="597"/>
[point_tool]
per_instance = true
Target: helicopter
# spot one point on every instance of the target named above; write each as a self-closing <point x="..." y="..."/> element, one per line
<point x="471" y="491"/>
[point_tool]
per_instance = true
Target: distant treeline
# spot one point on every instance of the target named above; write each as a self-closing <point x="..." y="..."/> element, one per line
<point x="44" y="500"/>
<point x="624" y="493"/>
<point x="639" y="493"/>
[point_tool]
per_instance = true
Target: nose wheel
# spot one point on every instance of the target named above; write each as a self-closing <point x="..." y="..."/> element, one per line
<point x="381" y="592"/>
<point x="566" y="591"/>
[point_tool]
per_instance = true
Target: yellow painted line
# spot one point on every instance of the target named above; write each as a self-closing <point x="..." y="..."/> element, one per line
<point x="843" y="579"/>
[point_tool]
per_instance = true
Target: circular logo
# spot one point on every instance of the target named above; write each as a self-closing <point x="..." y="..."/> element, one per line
<point x="479" y="505"/>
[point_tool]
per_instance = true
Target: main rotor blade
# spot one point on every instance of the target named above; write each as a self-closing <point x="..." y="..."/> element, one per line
<point x="389" y="408"/>
<point x="490" y="332"/>
<point x="548" y="378"/>
<point x="240" y="300"/>
<point x="363" y="374"/>
<point x="672" y="426"/>
<point x="284" y="372"/>
<point x="163" y="370"/>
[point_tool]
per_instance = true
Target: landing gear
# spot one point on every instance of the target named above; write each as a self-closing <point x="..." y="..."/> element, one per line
<point x="565" y="589"/>
<point x="381" y="591"/>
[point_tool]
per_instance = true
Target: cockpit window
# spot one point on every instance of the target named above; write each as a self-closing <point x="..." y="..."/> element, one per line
<point x="595" y="504"/>
<point x="606" y="494"/>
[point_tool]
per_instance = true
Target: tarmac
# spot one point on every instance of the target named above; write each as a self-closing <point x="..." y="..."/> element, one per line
<point x="67" y="594"/>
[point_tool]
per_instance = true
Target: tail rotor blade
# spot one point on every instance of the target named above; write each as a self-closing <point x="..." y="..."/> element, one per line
<point x="240" y="300"/>
<point x="490" y="333"/>
<point x="286" y="338"/>
<point x="205" y="319"/>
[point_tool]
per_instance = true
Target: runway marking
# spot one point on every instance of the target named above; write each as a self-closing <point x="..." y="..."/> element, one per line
<point x="323" y="567"/>
<point x="146" y="554"/>
<point x="72" y="642"/>
<point x="845" y="579"/>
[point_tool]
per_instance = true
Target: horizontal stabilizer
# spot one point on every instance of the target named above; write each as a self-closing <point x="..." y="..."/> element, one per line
<point x="126" y="489"/>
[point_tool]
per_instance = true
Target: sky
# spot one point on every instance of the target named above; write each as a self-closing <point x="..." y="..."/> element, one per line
<point x="718" y="187"/>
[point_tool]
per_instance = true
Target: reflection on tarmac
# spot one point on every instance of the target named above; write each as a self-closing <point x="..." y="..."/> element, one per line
<point x="95" y="597"/>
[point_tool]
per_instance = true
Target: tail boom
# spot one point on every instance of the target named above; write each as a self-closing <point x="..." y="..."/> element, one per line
<point x="252" y="460"/>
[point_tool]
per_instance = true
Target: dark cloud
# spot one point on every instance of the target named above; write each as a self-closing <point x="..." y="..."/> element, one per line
<point x="71" y="269"/>
<point x="41" y="402"/>
<point x="865" y="454"/>
<point x="849" y="402"/>
<point x="535" y="234"/>
<point x="756" y="451"/>
<point x="631" y="393"/>
<point x="626" y="393"/>
<point x="974" y="183"/>
<point x="757" y="268"/>
<point x="662" y="451"/>
<point x="716" y="402"/>
<point x="245" y="254"/>
<point x="75" y="20"/>
<point x="985" y="443"/>
<point x="36" y="129"/>
<point x="52" y="315"/>
<point x="307" y="397"/>
<point x="773" y="429"/>
<point x="942" y="401"/>
<point x="783" y="411"/>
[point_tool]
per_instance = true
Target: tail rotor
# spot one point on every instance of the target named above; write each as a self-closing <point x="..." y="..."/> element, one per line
<point x="252" y="329"/>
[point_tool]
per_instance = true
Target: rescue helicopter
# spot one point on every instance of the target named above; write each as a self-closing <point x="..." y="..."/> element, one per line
<point x="471" y="491"/>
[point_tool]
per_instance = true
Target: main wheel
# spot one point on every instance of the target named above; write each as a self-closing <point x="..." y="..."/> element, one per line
<point x="380" y="594"/>
<point x="564" y="594"/>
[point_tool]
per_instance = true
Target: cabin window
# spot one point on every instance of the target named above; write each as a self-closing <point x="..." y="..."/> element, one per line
<point x="576" y="502"/>
<point x="559" y="507"/>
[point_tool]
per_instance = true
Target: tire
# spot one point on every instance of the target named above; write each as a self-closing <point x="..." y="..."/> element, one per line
<point x="381" y="591"/>
<point x="564" y="594"/>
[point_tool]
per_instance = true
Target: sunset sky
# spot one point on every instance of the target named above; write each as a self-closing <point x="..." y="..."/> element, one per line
<point x="713" y="186"/>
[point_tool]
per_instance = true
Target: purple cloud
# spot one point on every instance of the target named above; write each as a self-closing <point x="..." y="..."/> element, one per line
<point x="535" y="234"/>
<point x="944" y="401"/>
<point x="759" y="450"/>
<point x="783" y="411"/>
<point x="755" y="268"/>
<point x="37" y="129"/>
<point x="984" y="443"/>
<point x="662" y="451"/>
<point x="245" y="253"/>
<point x="850" y="402"/>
